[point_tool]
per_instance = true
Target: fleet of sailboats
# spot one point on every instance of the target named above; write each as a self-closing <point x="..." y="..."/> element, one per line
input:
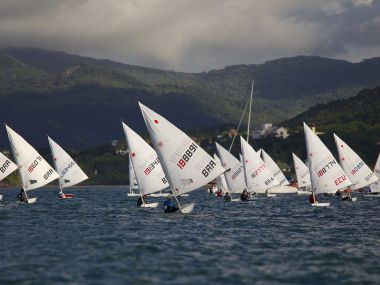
<point x="178" y="163"/>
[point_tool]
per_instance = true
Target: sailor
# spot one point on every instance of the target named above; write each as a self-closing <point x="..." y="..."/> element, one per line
<point x="312" y="199"/>
<point x="141" y="200"/>
<point x="227" y="197"/>
<point x="22" y="196"/>
<point x="170" y="206"/>
<point x="244" y="196"/>
<point x="60" y="194"/>
<point x="219" y="193"/>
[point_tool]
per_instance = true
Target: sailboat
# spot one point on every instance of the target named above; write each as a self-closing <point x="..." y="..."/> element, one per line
<point x="303" y="176"/>
<point x="235" y="171"/>
<point x="283" y="187"/>
<point x="70" y="173"/>
<point x="326" y="174"/>
<point x="258" y="177"/>
<point x="146" y="165"/>
<point x="34" y="171"/>
<point x="221" y="180"/>
<point x="375" y="187"/>
<point x="186" y="165"/>
<point x="6" y="168"/>
<point x="132" y="180"/>
<point x="357" y="171"/>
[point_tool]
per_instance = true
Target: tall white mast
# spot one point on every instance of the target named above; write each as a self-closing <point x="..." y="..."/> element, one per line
<point x="250" y="109"/>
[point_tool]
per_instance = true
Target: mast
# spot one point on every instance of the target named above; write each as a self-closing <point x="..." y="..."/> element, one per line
<point x="250" y="110"/>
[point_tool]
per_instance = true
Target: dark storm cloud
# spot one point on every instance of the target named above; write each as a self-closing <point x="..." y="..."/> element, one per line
<point x="194" y="35"/>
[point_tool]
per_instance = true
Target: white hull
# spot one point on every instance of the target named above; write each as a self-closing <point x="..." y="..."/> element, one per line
<point x="321" y="204"/>
<point x="188" y="208"/>
<point x="235" y="200"/>
<point x="32" y="200"/>
<point x="159" y="195"/>
<point x="302" y="192"/>
<point x="133" y="194"/>
<point x="282" y="189"/>
<point x="150" y="205"/>
<point x="271" y="195"/>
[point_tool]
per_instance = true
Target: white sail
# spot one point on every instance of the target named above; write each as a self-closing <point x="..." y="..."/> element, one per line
<point x="149" y="174"/>
<point x="69" y="171"/>
<point x="35" y="172"/>
<point x="186" y="165"/>
<point x="375" y="188"/>
<point x="302" y="172"/>
<point x="132" y="177"/>
<point x="273" y="167"/>
<point x="258" y="177"/>
<point x="6" y="166"/>
<point x="221" y="180"/>
<point x="326" y="174"/>
<point x="357" y="171"/>
<point x="235" y="171"/>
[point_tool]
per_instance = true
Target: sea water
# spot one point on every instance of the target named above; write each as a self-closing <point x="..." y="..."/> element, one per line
<point x="101" y="237"/>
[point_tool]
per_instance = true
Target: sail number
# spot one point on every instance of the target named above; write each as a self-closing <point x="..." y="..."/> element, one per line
<point x="152" y="166"/>
<point x="357" y="167"/>
<point x="209" y="167"/>
<point x="369" y="176"/>
<point x="258" y="170"/>
<point x="187" y="155"/>
<point x="34" y="164"/>
<point x="237" y="172"/>
<point x="47" y="174"/>
<point x="66" y="169"/>
<point x="340" y="180"/>
<point x="5" y="165"/>
<point x="327" y="167"/>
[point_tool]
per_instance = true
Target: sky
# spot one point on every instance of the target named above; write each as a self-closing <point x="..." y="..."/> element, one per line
<point x="194" y="35"/>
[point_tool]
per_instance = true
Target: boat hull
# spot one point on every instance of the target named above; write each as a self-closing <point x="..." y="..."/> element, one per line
<point x="188" y="208"/>
<point x="281" y="189"/>
<point x="321" y="204"/>
<point x="66" y="196"/>
<point x="150" y="205"/>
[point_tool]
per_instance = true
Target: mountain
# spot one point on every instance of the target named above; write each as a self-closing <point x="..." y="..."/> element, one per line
<point x="79" y="100"/>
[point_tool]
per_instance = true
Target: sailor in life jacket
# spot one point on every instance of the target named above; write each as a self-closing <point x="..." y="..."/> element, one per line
<point x="170" y="206"/>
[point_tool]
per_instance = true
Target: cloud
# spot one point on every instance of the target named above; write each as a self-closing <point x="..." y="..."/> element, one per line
<point x="193" y="35"/>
